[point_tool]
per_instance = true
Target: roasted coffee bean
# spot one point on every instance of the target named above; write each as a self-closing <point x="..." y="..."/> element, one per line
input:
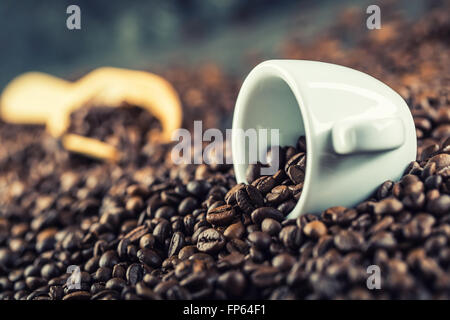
<point x="264" y="184"/>
<point x="77" y="295"/>
<point x="233" y="282"/>
<point x="291" y="237"/>
<point x="221" y="216"/>
<point x="235" y="230"/>
<point x="260" y="239"/>
<point x="382" y="240"/>
<point x="253" y="172"/>
<point x="134" y="204"/>
<point x="315" y="229"/>
<point x="122" y="248"/>
<point x="136" y="234"/>
<point x="419" y="227"/>
<point x="118" y="271"/>
<point x="260" y="214"/>
<point x="186" y="252"/>
<point x="176" y="243"/>
<point x="210" y="241"/>
<point x="108" y="259"/>
<point x="134" y="274"/>
<point x="56" y="292"/>
<point x="270" y="226"/>
<point x="116" y="284"/>
<point x="34" y="282"/>
<point x="278" y="195"/>
<point x="188" y="205"/>
<point x="49" y="271"/>
<point x="198" y="187"/>
<point x="296" y="173"/>
<point x="265" y="276"/>
<point x="385" y="189"/>
<point x="147" y="241"/>
<point x="103" y="274"/>
<point x="439" y="206"/>
<point x="348" y="240"/>
<point x="388" y="206"/>
<point x="230" y="197"/>
<point x="248" y="198"/>
<point x="162" y="231"/>
<point x="283" y="261"/>
<point x="165" y="212"/>
<point x="149" y="257"/>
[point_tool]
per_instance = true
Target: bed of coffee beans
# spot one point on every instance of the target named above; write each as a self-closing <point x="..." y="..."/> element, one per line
<point x="147" y="229"/>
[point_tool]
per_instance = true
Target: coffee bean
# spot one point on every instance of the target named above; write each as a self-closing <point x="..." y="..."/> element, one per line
<point x="258" y="215"/>
<point x="146" y="293"/>
<point x="440" y="205"/>
<point x="260" y="239"/>
<point x="265" y="276"/>
<point x="221" y="216"/>
<point x="134" y="204"/>
<point x="264" y="184"/>
<point x="291" y="237"/>
<point x="233" y="282"/>
<point x="382" y="240"/>
<point x="197" y="188"/>
<point x="348" y="240"/>
<point x="270" y="226"/>
<point x="441" y="161"/>
<point x="118" y="271"/>
<point x="116" y="284"/>
<point x="134" y="274"/>
<point x="230" y="197"/>
<point x="77" y="295"/>
<point x="210" y="241"/>
<point x="162" y="231"/>
<point x="103" y="274"/>
<point x="301" y="144"/>
<point x="108" y="259"/>
<point x="122" y="248"/>
<point x="147" y="241"/>
<point x="253" y="172"/>
<point x="188" y="205"/>
<point x="176" y="243"/>
<point x="315" y="229"/>
<point x="235" y="230"/>
<point x="283" y="262"/>
<point x="419" y="227"/>
<point x="136" y="234"/>
<point x="34" y="282"/>
<point x="49" y="271"/>
<point x="388" y="206"/>
<point x="278" y="195"/>
<point x="248" y="198"/>
<point x="149" y="257"/>
<point x="165" y="212"/>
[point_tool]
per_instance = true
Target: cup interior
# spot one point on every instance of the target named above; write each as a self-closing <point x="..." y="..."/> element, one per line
<point x="266" y="101"/>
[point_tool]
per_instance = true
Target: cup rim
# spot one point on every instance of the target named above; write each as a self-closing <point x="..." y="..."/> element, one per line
<point x="272" y="69"/>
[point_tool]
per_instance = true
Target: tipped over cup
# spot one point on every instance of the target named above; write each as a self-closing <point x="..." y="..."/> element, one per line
<point x="359" y="132"/>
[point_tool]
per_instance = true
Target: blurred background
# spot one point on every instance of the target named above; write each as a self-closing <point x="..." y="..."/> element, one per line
<point x="234" y="34"/>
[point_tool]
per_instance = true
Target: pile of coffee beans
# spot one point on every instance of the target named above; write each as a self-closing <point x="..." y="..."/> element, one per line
<point x="75" y="228"/>
<point x="281" y="190"/>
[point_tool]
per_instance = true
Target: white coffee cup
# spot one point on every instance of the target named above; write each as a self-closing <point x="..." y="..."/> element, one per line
<point x="359" y="132"/>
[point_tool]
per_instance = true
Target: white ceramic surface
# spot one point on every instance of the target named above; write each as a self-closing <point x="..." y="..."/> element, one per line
<point x="359" y="132"/>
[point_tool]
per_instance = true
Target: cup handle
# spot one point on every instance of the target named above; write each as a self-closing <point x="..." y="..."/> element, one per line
<point x="354" y="136"/>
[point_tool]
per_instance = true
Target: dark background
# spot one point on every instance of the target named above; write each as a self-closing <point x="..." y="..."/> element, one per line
<point x="154" y="34"/>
